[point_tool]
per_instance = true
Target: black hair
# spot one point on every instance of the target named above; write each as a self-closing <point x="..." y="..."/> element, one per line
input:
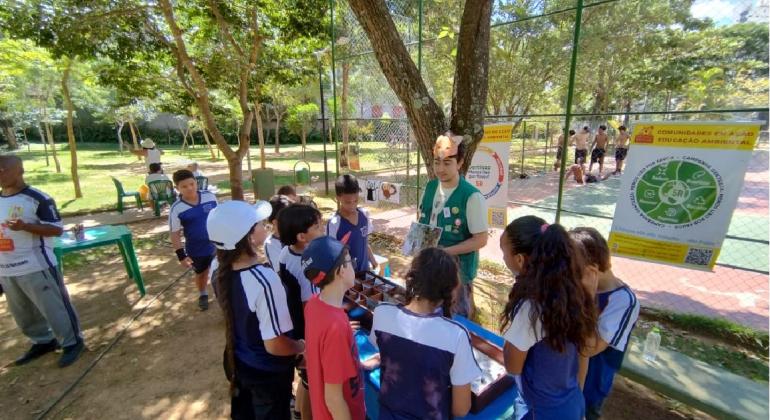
<point x="278" y="203"/>
<point x="224" y="277"/>
<point x="433" y="276"/>
<point x="286" y="190"/>
<point x="155" y="168"/>
<point x="603" y="127"/>
<point x="585" y="127"/>
<point x="346" y="184"/>
<point x="622" y="128"/>
<point x="571" y="132"/>
<point x="551" y="281"/>
<point x="296" y="219"/>
<point x="332" y="274"/>
<point x="181" y="175"/>
<point x="597" y="252"/>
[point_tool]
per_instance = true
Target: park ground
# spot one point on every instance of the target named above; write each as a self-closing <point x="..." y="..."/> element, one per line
<point x="159" y="357"/>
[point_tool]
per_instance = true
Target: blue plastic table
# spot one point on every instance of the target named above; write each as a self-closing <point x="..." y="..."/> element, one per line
<point x="102" y="236"/>
<point x="502" y="408"/>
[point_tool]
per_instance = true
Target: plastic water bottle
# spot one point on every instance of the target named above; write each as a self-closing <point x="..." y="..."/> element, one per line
<point x="651" y="345"/>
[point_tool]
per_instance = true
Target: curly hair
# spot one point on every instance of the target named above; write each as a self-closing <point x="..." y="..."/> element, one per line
<point x="552" y="281"/>
<point x="433" y="276"/>
<point x="224" y="293"/>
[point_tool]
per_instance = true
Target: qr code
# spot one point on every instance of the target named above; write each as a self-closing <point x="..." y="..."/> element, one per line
<point x="497" y="218"/>
<point x="699" y="256"/>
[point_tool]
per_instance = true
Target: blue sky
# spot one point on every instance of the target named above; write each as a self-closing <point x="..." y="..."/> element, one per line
<point x="728" y="11"/>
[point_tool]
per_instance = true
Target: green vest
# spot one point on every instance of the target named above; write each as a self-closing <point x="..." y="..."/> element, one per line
<point x="454" y="221"/>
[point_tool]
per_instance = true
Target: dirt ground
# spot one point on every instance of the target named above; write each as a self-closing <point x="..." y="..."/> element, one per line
<point x="168" y="363"/>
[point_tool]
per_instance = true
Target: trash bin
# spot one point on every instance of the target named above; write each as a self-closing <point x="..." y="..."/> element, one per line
<point x="263" y="182"/>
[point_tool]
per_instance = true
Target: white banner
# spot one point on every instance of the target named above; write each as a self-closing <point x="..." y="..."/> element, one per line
<point x="489" y="172"/>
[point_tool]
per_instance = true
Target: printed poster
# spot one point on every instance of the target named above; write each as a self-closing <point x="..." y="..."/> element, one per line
<point x="679" y="190"/>
<point x="489" y="171"/>
<point x="375" y="191"/>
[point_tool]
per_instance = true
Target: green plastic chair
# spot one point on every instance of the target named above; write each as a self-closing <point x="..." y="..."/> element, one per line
<point x="203" y="183"/>
<point x="123" y="193"/>
<point x="161" y="192"/>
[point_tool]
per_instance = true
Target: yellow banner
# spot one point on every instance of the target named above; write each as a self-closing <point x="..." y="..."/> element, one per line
<point x="699" y="136"/>
<point x="497" y="133"/>
<point x="668" y="252"/>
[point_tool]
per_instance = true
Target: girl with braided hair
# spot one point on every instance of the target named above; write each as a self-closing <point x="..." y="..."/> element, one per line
<point x="259" y="356"/>
<point x="419" y="344"/>
<point x="550" y="319"/>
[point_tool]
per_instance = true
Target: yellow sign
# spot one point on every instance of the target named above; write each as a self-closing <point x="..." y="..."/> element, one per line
<point x="497" y="133"/>
<point x="724" y="136"/>
<point x="639" y="247"/>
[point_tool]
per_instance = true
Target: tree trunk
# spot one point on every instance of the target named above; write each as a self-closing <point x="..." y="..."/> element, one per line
<point x="260" y="133"/>
<point x="51" y="143"/>
<point x="70" y="130"/>
<point x="44" y="141"/>
<point x="470" y="81"/>
<point x="208" y="143"/>
<point x="133" y="134"/>
<point x="235" y="167"/>
<point x="120" y="136"/>
<point x="10" y="135"/>
<point x="304" y="143"/>
<point x="278" y="116"/>
<point x="344" y="105"/>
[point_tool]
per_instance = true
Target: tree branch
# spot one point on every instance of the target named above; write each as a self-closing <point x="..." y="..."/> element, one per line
<point x="224" y="27"/>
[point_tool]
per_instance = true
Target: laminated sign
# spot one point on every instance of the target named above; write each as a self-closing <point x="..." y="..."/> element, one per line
<point x="489" y="171"/>
<point x="679" y="190"/>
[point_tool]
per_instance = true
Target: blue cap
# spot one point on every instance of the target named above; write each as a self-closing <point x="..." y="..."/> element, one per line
<point x="321" y="254"/>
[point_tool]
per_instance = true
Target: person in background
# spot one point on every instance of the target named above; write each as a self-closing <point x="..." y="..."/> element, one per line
<point x="581" y="145"/>
<point x="149" y="152"/>
<point x="426" y="359"/>
<point x="599" y="147"/>
<point x="289" y="192"/>
<point x="33" y="286"/>
<point x="298" y="224"/>
<point x="549" y="320"/>
<point x="155" y="174"/>
<point x="560" y="148"/>
<point x="273" y="245"/>
<point x="618" y="312"/>
<point x="334" y="376"/>
<point x="351" y="224"/>
<point x="188" y="217"/>
<point x="195" y="169"/>
<point x="621" y="149"/>
<point x="259" y="355"/>
<point x="455" y="205"/>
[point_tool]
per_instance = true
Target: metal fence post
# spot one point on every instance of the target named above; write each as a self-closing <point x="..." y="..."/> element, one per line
<point x="419" y="68"/>
<point x="523" y="139"/>
<point x="545" y="137"/>
<point x="333" y="125"/>
<point x="568" y="114"/>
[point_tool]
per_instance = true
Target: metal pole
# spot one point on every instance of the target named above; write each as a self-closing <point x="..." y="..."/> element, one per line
<point x="568" y="116"/>
<point x="545" y="137"/>
<point x="523" y="139"/>
<point x="333" y="121"/>
<point x="419" y="68"/>
<point x="323" y="124"/>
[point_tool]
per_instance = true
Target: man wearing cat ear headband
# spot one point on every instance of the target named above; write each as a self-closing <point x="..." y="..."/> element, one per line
<point x="458" y="208"/>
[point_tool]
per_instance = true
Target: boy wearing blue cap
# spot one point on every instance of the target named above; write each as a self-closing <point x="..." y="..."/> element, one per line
<point x="336" y="386"/>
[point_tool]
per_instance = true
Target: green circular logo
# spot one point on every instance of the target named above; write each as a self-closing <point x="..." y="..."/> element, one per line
<point x="676" y="192"/>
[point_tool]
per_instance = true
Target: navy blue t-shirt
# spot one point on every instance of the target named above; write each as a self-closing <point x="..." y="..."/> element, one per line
<point x="356" y="237"/>
<point x="191" y="218"/>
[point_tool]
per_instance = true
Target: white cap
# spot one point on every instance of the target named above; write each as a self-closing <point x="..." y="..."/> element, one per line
<point x="148" y="143"/>
<point x="230" y="221"/>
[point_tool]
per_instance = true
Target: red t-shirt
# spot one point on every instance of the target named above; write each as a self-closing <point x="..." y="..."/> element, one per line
<point x="332" y="358"/>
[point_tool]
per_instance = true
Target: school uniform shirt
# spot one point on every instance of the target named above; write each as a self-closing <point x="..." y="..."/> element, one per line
<point x="191" y="218"/>
<point x="356" y="237"/>
<point x="332" y="358"/>
<point x="422" y="357"/>
<point x="298" y="288"/>
<point x="618" y="312"/>
<point x="22" y="252"/>
<point x="258" y="302"/>
<point x="273" y="247"/>
<point x="549" y="382"/>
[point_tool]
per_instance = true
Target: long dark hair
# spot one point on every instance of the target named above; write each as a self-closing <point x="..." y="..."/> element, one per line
<point x="224" y="273"/>
<point x="552" y="281"/>
<point x="433" y="276"/>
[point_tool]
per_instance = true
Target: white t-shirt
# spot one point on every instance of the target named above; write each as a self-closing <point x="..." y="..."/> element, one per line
<point x="153" y="156"/>
<point x="22" y="252"/>
<point x="521" y="333"/>
<point x="618" y="316"/>
<point x="475" y="209"/>
<point x="273" y="247"/>
<point x="155" y="177"/>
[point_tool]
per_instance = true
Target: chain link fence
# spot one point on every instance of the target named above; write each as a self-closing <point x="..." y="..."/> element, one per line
<point x="652" y="47"/>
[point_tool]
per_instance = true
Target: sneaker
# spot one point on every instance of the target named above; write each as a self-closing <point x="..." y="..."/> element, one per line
<point x="203" y="302"/>
<point x="71" y="353"/>
<point x="36" y="351"/>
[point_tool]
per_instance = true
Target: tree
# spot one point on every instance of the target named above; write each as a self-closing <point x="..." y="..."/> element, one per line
<point x="469" y="93"/>
<point x="301" y="119"/>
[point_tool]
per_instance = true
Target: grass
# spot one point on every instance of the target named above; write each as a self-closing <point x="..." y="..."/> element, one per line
<point x="98" y="161"/>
